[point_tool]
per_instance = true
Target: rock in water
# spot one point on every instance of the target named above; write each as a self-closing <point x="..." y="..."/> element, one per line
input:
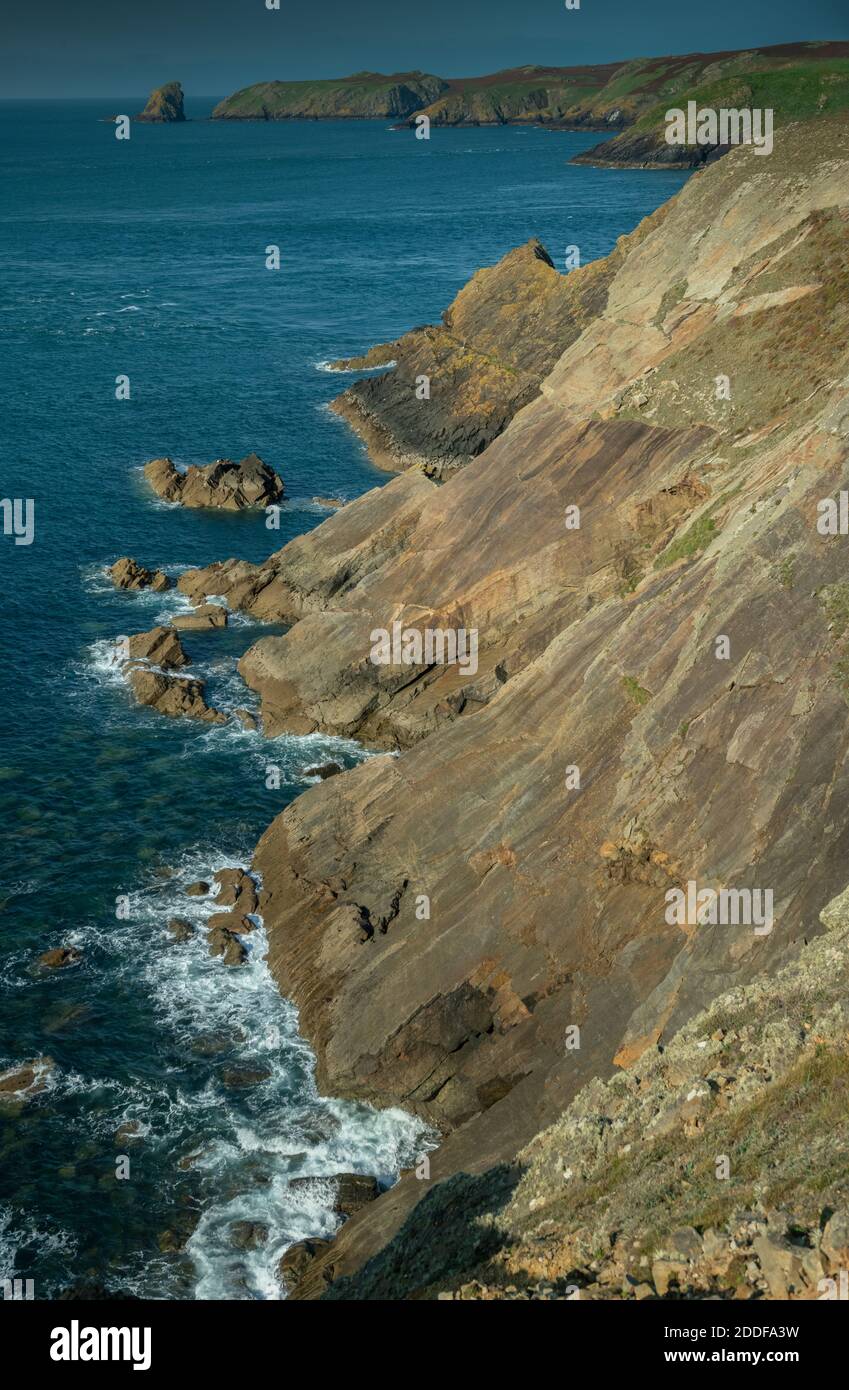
<point x="173" y="695"/>
<point x="161" y="646"/>
<point x="129" y="574"/>
<point x="232" y="486"/>
<point x="209" y="615"/>
<point x="181" y="929"/>
<point x="21" y="1082"/>
<point x="164" y="104"/>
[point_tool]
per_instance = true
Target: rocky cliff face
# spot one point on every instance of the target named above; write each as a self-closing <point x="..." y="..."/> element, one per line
<point x="445" y="916"/>
<point x="164" y="104"/>
<point x="623" y="1197"/>
<point x="798" y="79"/>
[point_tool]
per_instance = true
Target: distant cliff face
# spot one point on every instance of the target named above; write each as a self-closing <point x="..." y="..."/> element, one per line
<point x="164" y="104"/>
<point x="627" y="100"/>
<point x="364" y="95"/>
<point x="443" y="916"/>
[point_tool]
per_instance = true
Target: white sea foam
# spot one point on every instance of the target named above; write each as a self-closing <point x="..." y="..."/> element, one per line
<point x="249" y="1144"/>
<point x="346" y="371"/>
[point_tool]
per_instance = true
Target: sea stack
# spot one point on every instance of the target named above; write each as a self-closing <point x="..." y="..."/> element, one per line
<point x="164" y="104"/>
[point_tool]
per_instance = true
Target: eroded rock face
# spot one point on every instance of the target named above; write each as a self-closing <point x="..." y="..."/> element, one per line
<point x="127" y="573"/>
<point x="164" y="104"/>
<point x="442" y="918"/>
<point x="231" y="486"/>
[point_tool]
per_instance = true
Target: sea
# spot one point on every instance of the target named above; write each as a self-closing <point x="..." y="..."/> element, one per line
<point x="139" y="1166"/>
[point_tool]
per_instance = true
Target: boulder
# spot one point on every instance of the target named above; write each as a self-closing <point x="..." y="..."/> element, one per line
<point x="208" y="616"/>
<point x="233" y="922"/>
<point x="127" y="573"/>
<point x="231" y="486"/>
<point x="197" y="890"/>
<point x="323" y="770"/>
<point x="160" y="646"/>
<point x="227" y="945"/>
<point x="173" y="695"/>
<point x="297" y="1259"/>
<point x="236" y="890"/>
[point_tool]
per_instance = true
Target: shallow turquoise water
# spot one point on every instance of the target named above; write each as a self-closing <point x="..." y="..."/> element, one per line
<point x="147" y="258"/>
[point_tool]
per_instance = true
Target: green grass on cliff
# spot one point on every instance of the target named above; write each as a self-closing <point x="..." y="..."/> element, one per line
<point x="794" y="93"/>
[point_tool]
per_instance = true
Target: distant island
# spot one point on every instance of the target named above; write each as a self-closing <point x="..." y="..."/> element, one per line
<point x="626" y="100"/>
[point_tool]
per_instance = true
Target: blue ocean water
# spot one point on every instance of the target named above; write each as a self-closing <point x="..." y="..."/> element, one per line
<point x="147" y="258"/>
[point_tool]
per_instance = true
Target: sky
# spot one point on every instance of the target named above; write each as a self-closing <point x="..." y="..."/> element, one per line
<point x="96" y="48"/>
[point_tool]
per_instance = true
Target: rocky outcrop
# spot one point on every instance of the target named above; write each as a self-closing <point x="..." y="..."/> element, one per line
<point x="455" y="386"/>
<point x="231" y="486"/>
<point x="660" y="687"/>
<point x="129" y="574"/>
<point x="164" y="104"/>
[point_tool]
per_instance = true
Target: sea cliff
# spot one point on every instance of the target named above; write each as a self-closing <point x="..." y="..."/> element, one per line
<point x="445" y="914"/>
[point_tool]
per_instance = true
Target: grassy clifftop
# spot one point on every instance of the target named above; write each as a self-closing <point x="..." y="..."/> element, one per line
<point x="812" y="80"/>
<point x="627" y="99"/>
<point x="363" y="95"/>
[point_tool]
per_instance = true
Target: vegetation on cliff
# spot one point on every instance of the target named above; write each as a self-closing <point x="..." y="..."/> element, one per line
<point x="628" y="100"/>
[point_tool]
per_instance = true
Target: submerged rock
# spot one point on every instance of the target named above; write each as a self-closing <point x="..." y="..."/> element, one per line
<point x="248" y="1235"/>
<point x="231" y="486"/>
<point x="21" y="1083"/>
<point x="181" y="929"/>
<point x="60" y="958"/>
